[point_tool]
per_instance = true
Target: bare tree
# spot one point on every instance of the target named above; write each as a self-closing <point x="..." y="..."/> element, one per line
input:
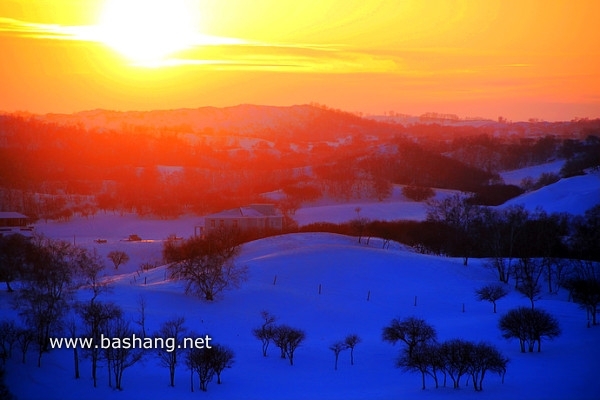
<point x="288" y="339"/>
<point x="280" y="339"/>
<point x="96" y="317"/>
<point x="118" y="258"/>
<point x="25" y="337"/>
<point x="359" y="227"/>
<point x="460" y="214"/>
<point x="295" y="337"/>
<point x="206" y="263"/>
<point x="351" y="341"/>
<point x="141" y="321"/>
<point x="221" y="357"/>
<point x="421" y="360"/>
<point x="337" y="348"/>
<point x="491" y="293"/>
<point x="90" y="267"/>
<point x="72" y="329"/>
<point x="586" y="293"/>
<point x="47" y="288"/>
<point x="412" y="331"/>
<point x="505" y="230"/>
<point x="198" y="361"/>
<point x="514" y="325"/>
<point x="542" y="324"/>
<point x="120" y="357"/>
<point x="485" y="357"/>
<point x="456" y="355"/>
<point x="8" y="337"/>
<point x="288" y="207"/>
<point x="530" y="290"/>
<point x="529" y="326"/>
<point x="557" y="273"/>
<point x="173" y="330"/>
<point x="586" y="235"/>
<point x="265" y="332"/>
<point x="13" y="256"/>
<point x="528" y="273"/>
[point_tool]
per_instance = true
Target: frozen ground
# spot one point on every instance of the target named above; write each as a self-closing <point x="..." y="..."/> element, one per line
<point x="566" y="368"/>
<point x="534" y="172"/>
<point x="572" y="195"/>
<point x="347" y="271"/>
<point x="394" y="207"/>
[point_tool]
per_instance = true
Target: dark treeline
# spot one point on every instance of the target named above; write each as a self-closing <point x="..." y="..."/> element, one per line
<point x="494" y="154"/>
<point x="485" y="233"/>
<point x="533" y="250"/>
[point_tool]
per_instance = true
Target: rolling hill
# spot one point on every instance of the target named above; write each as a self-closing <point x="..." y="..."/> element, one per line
<point x="348" y="274"/>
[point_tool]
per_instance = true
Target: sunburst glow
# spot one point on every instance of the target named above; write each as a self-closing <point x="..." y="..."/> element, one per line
<point x="148" y="30"/>
<point x="466" y="57"/>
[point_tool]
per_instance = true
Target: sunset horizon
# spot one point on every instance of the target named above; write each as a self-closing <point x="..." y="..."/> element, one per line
<point x="472" y="59"/>
<point x="290" y="200"/>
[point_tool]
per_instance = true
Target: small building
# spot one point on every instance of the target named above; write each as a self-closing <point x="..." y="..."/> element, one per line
<point x="14" y="222"/>
<point x="254" y="216"/>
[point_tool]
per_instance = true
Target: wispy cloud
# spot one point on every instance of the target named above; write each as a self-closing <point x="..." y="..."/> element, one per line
<point x="15" y="27"/>
<point x="217" y="52"/>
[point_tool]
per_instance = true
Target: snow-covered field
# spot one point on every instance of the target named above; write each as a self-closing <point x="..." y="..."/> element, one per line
<point x="514" y="177"/>
<point x="396" y="206"/>
<point x="572" y="195"/>
<point x="567" y="368"/>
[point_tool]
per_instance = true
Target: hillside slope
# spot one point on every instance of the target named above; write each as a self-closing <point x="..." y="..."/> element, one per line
<point x="572" y="195"/>
<point x="346" y="272"/>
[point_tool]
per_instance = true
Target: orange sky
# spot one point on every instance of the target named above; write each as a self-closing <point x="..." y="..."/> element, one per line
<point x="514" y="58"/>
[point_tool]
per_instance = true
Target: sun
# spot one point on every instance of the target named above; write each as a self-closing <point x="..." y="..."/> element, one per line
<point x="147" y="31"/>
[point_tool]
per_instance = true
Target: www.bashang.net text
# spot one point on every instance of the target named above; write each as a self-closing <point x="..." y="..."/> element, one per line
<point x="168" y="344"/>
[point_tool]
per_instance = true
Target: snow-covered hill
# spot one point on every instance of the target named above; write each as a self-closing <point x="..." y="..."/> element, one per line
<point x="572" y="195"/>
<point x="346" y="271"/>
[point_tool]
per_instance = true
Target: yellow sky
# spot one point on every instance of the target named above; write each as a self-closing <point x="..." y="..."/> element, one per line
<point x="514" y="58"/>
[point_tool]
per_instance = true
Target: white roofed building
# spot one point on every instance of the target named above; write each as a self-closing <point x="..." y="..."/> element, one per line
<point x="254" y="216"/>
<point x="14" y="222"/>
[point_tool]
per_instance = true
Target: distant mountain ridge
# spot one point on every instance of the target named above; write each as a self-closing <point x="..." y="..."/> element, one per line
<point x="311" y="122"/>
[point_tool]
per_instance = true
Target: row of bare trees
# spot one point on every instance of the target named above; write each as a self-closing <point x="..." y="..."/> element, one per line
<point x="513" y="233"/>
<point x="457" y="357"/>
<point x="453" y="358"/>
<point x="285" y="337"/>
<point x="288" y="339"/>
<point x="530" y="248"/>
<point x="208" y="362"/>
<point x="349" y="342"/>
<point x="580" y="278"/>
<point x="46" y="273"/>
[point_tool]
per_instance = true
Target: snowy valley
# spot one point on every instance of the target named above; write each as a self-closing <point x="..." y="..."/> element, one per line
<point x="125" y="182"/>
